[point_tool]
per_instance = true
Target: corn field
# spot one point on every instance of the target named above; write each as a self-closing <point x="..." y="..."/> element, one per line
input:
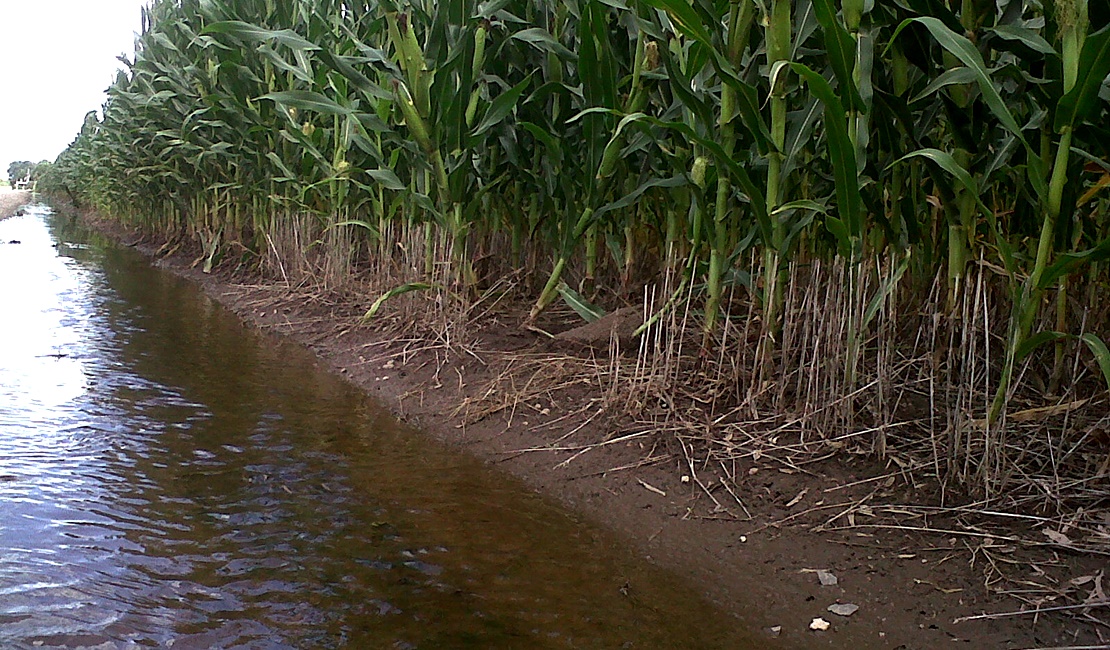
<point x="859" y="212"/>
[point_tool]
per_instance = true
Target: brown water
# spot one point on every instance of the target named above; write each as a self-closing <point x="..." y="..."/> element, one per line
<point x="169" y="478"/>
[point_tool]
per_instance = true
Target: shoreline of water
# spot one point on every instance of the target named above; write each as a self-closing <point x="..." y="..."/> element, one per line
<point x="196" y="481"/>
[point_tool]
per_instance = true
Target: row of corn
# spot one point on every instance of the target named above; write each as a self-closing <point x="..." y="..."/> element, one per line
<point x="724" y="144"/>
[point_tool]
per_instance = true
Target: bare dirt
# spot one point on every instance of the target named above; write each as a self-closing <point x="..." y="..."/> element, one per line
<point x="914" y="589"/>
<point x="12" y="200"/>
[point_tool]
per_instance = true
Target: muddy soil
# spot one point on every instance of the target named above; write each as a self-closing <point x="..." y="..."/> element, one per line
<point x="913" y="590"/>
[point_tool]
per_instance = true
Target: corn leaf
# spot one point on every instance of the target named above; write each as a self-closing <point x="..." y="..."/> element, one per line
<point x="393" y="293"/>
<point x="841" y="49"/>
<point x="249" y="32"/>
<point x="542" y="39"/>
<point x="501" y="107"/>
<point x="946" y="162"/>
<point x="387" y="179"/>
<point x="960" y="75"/>
<point x="1102" y="354"/>
<point x="589" y="312"/>
<point x="1025" y="36"/>
<point x="888" y="286"/>
<point x="964" y="50"/>
<point x="307" y="100"/>
<point x="1037" y="340"/>
<point x="1094" y="66"/>
<point x="842" y="152"/>
<point x="1069" y="263"/>
<point x="684" y="17"/>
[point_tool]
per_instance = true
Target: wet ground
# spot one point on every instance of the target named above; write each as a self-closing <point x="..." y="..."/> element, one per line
<point x="170" y="477"/>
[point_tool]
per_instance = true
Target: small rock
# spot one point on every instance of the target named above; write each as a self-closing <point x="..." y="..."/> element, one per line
<point x="843" y="609"/>
<point x="775" y="631"/>
<point x="819" y="624"/>
<point x="827" y="578"/>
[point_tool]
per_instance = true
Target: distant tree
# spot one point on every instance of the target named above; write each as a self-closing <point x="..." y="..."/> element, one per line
<point x="19" y="170"/>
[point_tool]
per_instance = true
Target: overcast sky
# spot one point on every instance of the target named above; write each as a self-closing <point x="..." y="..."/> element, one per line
<point x="56" y="59"/>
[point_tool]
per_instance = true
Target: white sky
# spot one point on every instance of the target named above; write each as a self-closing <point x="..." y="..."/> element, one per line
<point x="56" y="59"/>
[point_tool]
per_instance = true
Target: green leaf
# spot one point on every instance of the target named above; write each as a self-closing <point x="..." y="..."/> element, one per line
<point x="1024" y="35"/>
<point x="841" y="50"/>
<point x="842" y="152"/>
<point x="387" y="179"/>
<point x="584" y="308"/>
<point x="277" y="161"/>
<point x="393" y="293"/>
<point x="960" y="75"/>
<point x="361" y="224"/>
<point x="488" y="9"/>
<point x="1102" y="354"/>
<point x="840" y="232"/>
<point x="801" y="204"/>
<point x="888" y="286"/>
<point x="501" y="107"/>
<point x="632" y="197"/>
<point x="684" y="17"/>
<point x="1094" y="343"/>
<point x="946" y="162"/>
<point x="249" y="32"/>
<point x="542" y="39"/>
<point x="1094" y="66"/>
<point x="307" y="100"/>
<point x="543" y="136"/>
<point x="1033" y="342"/>
<point x="361" y="81"/>
<point x="964" y="50"/>
<point x="1068" y="263"/>
<point x="756" y="200"/>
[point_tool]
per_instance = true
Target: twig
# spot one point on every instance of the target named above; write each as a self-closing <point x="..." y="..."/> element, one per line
<point x="1023" y="612"/>
<point x="1104" y="646"/>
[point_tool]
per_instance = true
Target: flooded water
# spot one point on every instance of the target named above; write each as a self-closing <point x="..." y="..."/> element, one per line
<point x="169" y="478"/>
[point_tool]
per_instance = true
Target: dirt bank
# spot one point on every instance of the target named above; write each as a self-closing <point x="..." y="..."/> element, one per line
<point x="754" y="549"/>
<point x="11" y="200"/>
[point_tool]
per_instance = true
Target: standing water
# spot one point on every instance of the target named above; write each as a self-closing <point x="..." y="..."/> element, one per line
<point x="169" y="478"/>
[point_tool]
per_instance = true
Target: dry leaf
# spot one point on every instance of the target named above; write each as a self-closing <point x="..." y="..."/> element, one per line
<point x="1097" y="595"/>
<point x="795" y="500"/>
<point x="1057" y="537"/>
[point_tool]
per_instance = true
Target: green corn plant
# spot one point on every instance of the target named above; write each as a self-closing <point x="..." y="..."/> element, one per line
<point x="1047" y="182"/>
<point x="586" y="147"/>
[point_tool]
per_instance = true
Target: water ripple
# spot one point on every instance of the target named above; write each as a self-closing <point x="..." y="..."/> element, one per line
<point x="169" y="479"/>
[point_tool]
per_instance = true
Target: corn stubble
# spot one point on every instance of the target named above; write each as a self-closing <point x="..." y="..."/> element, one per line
<point x="886" y="221"/>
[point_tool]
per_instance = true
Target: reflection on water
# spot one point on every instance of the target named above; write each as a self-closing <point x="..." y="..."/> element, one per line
<point x="168" y="478"/>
